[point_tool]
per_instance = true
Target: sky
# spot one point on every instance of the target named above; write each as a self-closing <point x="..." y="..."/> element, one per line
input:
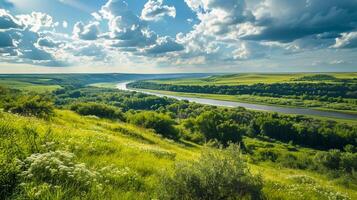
<point x="177" y="36"/>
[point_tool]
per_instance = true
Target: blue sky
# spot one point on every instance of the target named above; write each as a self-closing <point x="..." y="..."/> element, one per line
<point x="163" y="36"/>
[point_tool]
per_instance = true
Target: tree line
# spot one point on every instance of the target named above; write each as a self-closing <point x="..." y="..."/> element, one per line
<point x="309" y="90"/>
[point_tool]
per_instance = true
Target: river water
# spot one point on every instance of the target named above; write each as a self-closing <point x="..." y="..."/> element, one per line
<point x="285" y="110"/>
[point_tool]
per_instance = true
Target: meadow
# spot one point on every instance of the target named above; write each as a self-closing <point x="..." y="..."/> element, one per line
<point x="86" y="142"/>
<point x="249" y="79"/>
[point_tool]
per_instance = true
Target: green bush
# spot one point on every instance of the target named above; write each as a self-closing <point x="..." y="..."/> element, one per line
<point x="218" y="174"/>
<point x="58" y="168"/>
<point x="161" y="123"/>
<point x="337" y="160"/>
<point x="267" y="154"/>
<point x="329" y="160"/>
<point x="9" y="178"/>
<point x="216" y="126"/>
<point x="38" y="106"/>
<point x="99" y="110"/>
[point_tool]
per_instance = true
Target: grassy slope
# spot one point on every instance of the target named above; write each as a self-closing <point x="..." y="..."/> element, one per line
<point x="111" y="85"/>
<point x="27" y="86"/>
<point x="97" y="143"/>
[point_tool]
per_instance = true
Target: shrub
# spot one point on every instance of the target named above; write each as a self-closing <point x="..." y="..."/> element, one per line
<point x="9" y="178"/>
<point x="267" y="154"/>
<point x="218" y="174"/>
<point x="37" y="106"/>
<point x="124" y="178"/>
<point x="161" y="123"/>
<point x="329" y="160"/>
<point x="337" y="160"/>
<point x="99" y="110"/>
<point x="57" y="168"/>
<point x="56" y="175"/>
<point x="348" y="162"/>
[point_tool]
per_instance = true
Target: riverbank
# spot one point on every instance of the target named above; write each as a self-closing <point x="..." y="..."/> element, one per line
<point x="249" y="99"/>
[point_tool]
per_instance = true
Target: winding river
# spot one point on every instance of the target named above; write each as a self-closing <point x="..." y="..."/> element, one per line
<point x="285" y="110"/>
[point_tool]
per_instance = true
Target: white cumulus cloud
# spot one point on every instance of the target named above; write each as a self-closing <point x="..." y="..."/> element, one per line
<point x="155" y="10"/>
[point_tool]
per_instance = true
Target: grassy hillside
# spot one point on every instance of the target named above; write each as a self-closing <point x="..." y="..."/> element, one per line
<point x="249" y="79"/>
<point x="101" y="144"/>
<point x="139" y="155"/>
<point x="24" y="85"/>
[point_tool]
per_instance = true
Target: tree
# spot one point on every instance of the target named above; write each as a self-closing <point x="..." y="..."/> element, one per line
<point x="161" y="123"/>
<point x="208" y="122"/>
<point x="99" y="110"/>
<point x="38" y="106"/>
<point x="216" y="126"/>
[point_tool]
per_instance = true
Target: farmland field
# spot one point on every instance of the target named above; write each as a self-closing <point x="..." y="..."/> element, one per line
<point x="248" y="79"/>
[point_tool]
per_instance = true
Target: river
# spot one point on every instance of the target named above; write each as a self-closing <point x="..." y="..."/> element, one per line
<point x="285" y="110"/>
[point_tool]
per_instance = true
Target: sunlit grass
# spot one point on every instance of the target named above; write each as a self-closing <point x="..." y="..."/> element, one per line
<point x="248" y="79"/>
<point x="27" y="86"/>
<point x="100" y="143"/>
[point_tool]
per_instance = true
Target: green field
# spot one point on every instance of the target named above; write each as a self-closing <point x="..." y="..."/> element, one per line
<point x="104" y="85"/>
<point x="248" y="79"/>
<point x="25" y="85"/>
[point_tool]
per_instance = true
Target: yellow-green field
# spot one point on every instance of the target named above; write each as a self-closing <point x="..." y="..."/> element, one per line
<point x="27" y="86"/>
<point x="104" y="85"/>
<point x="248" y="79"/>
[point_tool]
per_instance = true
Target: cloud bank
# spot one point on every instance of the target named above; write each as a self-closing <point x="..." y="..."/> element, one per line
<point x="224" y="33"/>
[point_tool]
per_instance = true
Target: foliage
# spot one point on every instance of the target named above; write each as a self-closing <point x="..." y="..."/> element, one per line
<point x="57" y="168"/>
<point x="214" y="126"/>
<point x="321" y="135"/>
<point x="309" y="90"/>
<point x="218" y="174"/>
<point x="300" y="130"/>
<point x="161" y="123"/>
<point x="99" y="110"/>
<point x="337" y="160"/>
<point x="28" y="105"/>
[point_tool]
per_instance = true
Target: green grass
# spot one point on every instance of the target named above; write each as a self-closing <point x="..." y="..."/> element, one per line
<point x="248" y="79"/>
<point x="28" y="86"/>
<point x="99" y="143"/>
<point x="104" y="85"/>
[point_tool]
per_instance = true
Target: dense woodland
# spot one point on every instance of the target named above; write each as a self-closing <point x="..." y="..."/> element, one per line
<point x="334" y="144"/>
